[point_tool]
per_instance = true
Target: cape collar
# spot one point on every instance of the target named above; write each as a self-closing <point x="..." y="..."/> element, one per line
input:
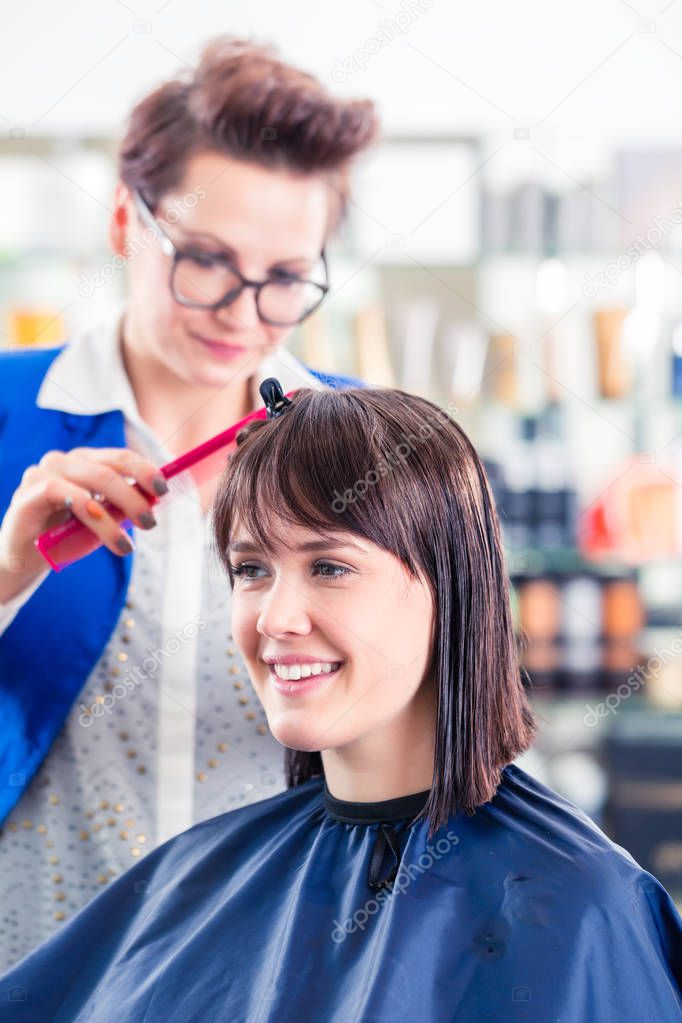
<point x="400" y="808"/>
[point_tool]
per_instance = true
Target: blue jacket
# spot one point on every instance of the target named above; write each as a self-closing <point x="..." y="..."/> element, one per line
<point x="49" y="650"/>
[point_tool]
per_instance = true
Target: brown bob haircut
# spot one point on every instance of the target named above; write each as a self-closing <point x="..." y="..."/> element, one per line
<point x="335" y="461"/>
<point x="244" y="102"/>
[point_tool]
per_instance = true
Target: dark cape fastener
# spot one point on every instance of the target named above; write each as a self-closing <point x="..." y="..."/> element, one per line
<point x="386" y="839"/>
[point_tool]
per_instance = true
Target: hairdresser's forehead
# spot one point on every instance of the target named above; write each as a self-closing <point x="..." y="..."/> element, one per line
<point x="282" y="215"/>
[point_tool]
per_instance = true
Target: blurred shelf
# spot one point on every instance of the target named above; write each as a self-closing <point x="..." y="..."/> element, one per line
<point x="529" y="562"/>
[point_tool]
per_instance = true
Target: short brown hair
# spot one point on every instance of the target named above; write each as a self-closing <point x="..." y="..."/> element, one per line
<point x="245" y="102"/>
<point x="328" y="463"/>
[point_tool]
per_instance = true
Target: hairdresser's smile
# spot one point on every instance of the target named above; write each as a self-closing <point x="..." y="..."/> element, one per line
<point x="217" y="347"/>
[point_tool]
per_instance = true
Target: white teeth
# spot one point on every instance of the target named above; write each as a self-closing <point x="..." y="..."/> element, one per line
<point x="294" y="672"/>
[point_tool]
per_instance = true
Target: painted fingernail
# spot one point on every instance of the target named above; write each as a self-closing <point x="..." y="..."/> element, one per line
<point x="147" y="520"/>
<point x="159" y="486"/>
<point x="94" y="508"/>
<point x="125" y="544"/>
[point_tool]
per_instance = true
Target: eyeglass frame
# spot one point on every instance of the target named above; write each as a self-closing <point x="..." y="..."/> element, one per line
<point x="170" y="249"/>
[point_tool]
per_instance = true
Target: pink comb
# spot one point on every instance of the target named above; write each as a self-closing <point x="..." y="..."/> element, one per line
<point x="75" y="540"/>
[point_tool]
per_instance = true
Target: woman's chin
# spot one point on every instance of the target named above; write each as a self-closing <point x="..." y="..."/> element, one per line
<point x="203" y="367"/>
<point x="297" y="737"/>
<point x="208" y="374"/>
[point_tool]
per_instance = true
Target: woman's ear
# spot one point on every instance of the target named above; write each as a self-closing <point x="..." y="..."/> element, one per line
<point x="119" y="225"/>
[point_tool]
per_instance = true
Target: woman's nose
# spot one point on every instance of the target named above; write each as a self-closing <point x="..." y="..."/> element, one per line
<point x="284" y="610"/>
<point x="242" y="314"/>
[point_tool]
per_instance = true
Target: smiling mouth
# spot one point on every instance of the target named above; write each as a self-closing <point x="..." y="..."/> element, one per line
<point x="220" y="347"/>
<point x="291" y="686"/>
<point x="299" y="672"/>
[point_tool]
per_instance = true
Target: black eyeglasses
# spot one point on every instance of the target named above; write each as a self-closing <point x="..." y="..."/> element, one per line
<point x="204" y="280"/>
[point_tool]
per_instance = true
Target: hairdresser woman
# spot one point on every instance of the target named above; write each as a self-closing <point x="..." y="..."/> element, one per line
<point x="232" y="177"/>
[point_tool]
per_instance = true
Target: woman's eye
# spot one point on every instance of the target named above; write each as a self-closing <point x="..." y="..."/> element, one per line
<point x="286" y="280"/>
<point x="284" y="275"/>
<point x="205" y="260"/>
<point x="338" y="570"/>
<point x="243" y="570"/>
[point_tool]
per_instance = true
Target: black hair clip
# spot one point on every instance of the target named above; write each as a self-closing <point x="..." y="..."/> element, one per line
<point x="274" y="397"/>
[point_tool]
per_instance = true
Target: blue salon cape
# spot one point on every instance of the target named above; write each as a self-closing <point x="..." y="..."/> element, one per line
<point x="523" y="911"/>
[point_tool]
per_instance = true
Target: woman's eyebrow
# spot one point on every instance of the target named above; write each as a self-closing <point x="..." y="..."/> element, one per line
<point x="243" y="546"/>
<point x="329" y="543"/>
<point x="227" y="250"/>
<point x="201" y="236"/>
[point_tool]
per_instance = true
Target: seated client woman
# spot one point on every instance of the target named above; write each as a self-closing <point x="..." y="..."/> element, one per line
<point x="411" y="870"/>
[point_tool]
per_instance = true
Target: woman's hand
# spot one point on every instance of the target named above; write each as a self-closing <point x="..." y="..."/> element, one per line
<point x="38" y="503"/>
